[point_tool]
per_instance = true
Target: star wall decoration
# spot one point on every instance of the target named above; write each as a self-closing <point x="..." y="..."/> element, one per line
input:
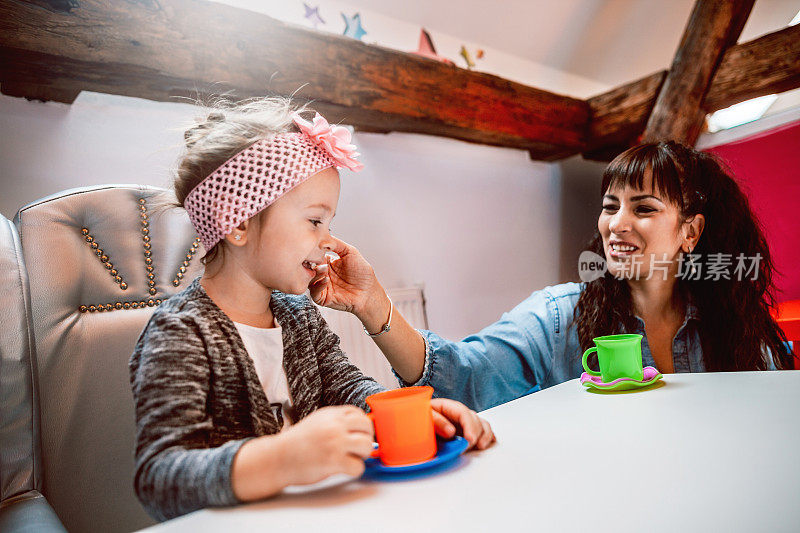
<point x="426" y="48"/>
<point x="312" y="15"/>
<point x="467" y="57"/>
<point x="352" y="26"/>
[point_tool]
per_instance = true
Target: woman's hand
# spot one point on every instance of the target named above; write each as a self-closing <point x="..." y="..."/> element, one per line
<point x="348" y="283"/>
<point x="451" y="417"/>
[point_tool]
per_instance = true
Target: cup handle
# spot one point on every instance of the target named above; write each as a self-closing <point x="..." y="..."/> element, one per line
<point x="376" y="452"/>
<point x="585" y="363"/>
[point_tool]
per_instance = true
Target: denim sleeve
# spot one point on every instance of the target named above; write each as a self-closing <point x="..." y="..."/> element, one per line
<point x="504" y="361"/>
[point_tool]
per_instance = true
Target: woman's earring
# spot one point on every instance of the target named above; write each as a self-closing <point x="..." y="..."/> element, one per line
<point x="692" y="265"/>
<point x="237" y="237"/>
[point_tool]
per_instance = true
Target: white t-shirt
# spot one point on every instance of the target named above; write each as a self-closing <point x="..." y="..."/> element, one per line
<point x="265" y="348"/>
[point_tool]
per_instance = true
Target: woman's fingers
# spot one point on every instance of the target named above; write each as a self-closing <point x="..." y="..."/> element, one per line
<point x="322" y="272"/>
<point x="443" y="427"/>
<point x="471" y="425"/>
<point x="459" y="414"/>
<point x="319" y="291"/>
<point x="487" y="438"/>
<point x="340" y="247"/>
<point x="475" y="430"/>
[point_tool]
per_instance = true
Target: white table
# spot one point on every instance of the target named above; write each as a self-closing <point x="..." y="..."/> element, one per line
<point x="702" y="452"/>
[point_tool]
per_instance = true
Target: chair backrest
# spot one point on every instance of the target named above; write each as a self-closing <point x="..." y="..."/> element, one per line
<point x="20" y="470"/>
<point x="99" y="260"/>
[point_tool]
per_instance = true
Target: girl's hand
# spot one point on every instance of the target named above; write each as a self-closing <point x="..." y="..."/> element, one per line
<point x="347" y="284"/>
<point x="451" y="417"/>
<point x="331" y="440"/>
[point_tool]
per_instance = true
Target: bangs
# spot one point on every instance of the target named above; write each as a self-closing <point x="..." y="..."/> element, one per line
<point x="630" y="167"/>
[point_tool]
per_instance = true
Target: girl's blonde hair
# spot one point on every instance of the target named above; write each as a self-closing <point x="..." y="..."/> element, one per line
<point x="228" y="128"/>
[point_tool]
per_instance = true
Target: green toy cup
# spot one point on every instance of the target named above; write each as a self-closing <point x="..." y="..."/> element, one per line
<point x="620" y="356"/>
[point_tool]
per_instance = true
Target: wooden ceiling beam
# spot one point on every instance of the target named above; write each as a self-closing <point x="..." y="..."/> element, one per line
<point x="620" y="115"/>
<point x="713" y="27"/>
<point x="160" y="50"/>
<point x="767" y="65"/>
<point x="160" y="53"/>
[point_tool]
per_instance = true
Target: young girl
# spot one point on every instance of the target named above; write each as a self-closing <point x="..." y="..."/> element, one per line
<point x="240" y="387"/>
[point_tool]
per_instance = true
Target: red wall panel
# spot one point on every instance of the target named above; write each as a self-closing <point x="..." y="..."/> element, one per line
<point x="767" y="165"/>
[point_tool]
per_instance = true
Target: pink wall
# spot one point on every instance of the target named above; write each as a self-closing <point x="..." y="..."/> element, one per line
<point x="768" y="167"/>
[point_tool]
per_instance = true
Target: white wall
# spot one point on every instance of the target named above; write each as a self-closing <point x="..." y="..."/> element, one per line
<point x="477" y="225"/>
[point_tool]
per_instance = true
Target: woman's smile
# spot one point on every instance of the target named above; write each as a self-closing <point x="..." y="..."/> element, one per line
<point x="621" y="249"/>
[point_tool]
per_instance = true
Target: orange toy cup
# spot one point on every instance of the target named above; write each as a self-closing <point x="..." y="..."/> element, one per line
<point x="403" y="425"/>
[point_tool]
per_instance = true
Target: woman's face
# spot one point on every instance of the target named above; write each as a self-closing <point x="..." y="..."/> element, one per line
<point x="643" y="233"/>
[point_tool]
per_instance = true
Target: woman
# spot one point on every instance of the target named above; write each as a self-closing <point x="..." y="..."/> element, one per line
<point x="688" y="268"/>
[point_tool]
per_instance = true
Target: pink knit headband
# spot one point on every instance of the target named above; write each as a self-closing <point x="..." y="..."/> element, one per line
<point x="263" y="172"/>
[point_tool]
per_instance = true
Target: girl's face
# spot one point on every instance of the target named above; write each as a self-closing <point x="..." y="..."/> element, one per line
<point x="642" y="229"/>
<point x="295" y="234"/>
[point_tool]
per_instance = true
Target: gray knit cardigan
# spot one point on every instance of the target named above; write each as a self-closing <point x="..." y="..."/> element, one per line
<point x="198" y="398"/>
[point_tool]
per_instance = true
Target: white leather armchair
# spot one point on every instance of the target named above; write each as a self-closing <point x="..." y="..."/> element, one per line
<point x="99" y="260"/>
<point x="22" y="506"/>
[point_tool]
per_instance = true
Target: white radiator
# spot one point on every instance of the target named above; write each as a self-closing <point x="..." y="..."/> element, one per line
<point x="361" y="350"/>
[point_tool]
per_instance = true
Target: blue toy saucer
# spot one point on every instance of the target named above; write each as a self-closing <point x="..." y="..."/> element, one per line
<point x="448" y="450"/>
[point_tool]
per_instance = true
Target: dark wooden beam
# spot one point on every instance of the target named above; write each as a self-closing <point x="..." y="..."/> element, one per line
<point x="767" y="65"/>
<point x="619" y="116"/>
<point x="713" y="27"/>
<point x="162" y="50"/>
<point x="44" y="93"/>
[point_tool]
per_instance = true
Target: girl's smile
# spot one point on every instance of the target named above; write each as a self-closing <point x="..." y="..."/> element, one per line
<point x="311" y="267"/>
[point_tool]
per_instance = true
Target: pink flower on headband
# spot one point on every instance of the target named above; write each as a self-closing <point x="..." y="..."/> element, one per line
<point x="335" y="140"/>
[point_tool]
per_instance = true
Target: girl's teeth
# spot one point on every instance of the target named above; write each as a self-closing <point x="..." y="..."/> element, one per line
<point x="310" y="264"/>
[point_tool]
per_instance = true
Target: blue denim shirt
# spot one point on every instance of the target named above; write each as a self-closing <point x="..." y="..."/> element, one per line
<point x="532" y="347"/>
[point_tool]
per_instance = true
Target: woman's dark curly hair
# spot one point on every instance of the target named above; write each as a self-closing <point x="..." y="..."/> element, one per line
<point x="735" y="323"/>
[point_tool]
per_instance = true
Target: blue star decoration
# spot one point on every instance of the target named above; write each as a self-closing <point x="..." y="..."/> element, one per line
<point x="312" y="14"/>
<point x="352" y="26"/>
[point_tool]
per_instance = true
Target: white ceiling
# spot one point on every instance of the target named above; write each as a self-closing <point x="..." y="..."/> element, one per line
<point x="610" y="41"/>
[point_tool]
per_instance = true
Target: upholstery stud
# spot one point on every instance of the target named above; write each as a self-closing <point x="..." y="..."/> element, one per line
<point x="148" y="260"/>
